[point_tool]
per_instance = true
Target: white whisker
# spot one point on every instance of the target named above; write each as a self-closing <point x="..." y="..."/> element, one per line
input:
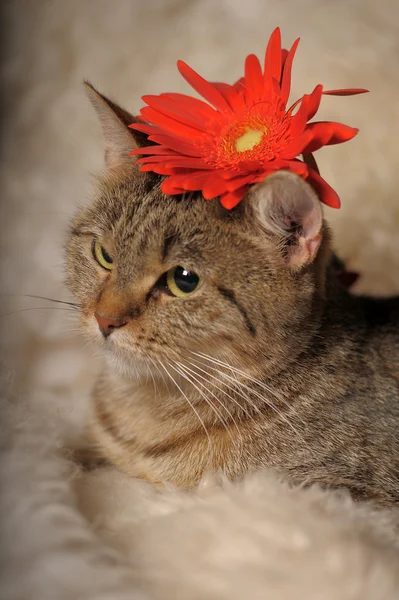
<point x="218" y="414"/>
<point x="193" y="408"/>
<point x="266" y="401"/>
<point x="233" y="388"/>
<point x="193" y="373"/>
<point x="221" y="390"/>
<point x="162" y="375"/>
<point x="153" y="378"/>
<point x="278" y="395"/>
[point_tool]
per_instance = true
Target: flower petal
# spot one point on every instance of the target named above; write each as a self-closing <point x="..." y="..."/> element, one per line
<point x="346" y="92"/>
<point x="295" y="165"/>
<point x="231" y="199"/>
<point x="234" y="184"/>
<point x="314" y="101"/>
<point x="286" y="76"/>
<point x="327" y="133"/>
<point x="175" y="144"/>
<point x="169" y="188"/>
<point x="240" y="84"/>
<point x="284" y="55"/>
<point x="325" y="192"/>
<point x="159" y="168"/>
<point x="175" y="163"/>
<point x="295" y="147"/>
<point x="203" y="87"/>
<point x="190" y="181"/>
<point x="229" y="183"/>
<point x="194" y="105"/>
<point x="155" y="150"/>
<point x="299" y="120"/>
<point x="170" y="125"/>
<point x="146" y="128"/>
<point x="232" y="95"/>
<point x="214" y="187"/>
<point x="310" y="161"/>
<point x="253" y="77"/>
<point x="298" y="167"/>
<point x="178" y="111"/>
<point x="273" y="57"/>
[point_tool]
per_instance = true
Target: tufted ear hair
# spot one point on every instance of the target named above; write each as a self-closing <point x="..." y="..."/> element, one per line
<point x="287" y="207"/>
<point x="119" y="139"/>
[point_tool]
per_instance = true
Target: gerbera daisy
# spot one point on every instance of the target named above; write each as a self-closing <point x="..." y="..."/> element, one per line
<point x="241" y="134"/>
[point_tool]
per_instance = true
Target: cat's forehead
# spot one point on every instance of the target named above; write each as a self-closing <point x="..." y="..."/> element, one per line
<point x="131" y="208"/>
<point x="141" y="226"/>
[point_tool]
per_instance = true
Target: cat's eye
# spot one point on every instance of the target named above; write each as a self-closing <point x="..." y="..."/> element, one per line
<point x="181" y="282"/>
<point x="102" y="256"/>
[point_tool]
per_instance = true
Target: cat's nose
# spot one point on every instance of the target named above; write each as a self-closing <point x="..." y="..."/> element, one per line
<point x="108" y="324"/>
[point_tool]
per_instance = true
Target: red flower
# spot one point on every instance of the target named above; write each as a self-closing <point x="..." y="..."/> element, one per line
<point x="243" y="135"/>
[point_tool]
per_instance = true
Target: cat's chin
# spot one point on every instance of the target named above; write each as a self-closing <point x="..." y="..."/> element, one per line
<point x="134" y="368"/>
<point x="130" y="365"/>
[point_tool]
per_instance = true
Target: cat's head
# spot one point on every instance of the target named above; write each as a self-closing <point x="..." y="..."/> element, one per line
<point x="161" y="279"/>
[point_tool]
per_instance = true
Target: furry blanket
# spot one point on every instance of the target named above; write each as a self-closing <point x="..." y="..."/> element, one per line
<point x="72" y="535"/>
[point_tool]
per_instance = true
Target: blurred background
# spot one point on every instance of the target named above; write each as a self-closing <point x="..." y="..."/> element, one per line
<point x="51" y="141"/>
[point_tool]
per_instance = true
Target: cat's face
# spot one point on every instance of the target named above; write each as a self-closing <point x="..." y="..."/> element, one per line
<point x="163" y="279"/>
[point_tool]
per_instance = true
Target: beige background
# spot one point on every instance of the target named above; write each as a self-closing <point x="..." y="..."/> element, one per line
<point x="51" y="141"/>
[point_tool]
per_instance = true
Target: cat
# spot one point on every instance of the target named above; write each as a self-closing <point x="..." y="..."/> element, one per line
<point x="230" y="345"/>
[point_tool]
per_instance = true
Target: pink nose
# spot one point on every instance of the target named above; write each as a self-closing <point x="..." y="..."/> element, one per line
<point x="108" y="324"/>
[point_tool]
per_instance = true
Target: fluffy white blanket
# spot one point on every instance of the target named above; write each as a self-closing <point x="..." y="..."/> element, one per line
<point x="72" y="535"/>
<point x="68" y="535"/>
<point x="101" y="535"/>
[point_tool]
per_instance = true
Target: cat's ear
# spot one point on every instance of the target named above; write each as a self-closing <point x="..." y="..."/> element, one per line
<point x="287" y="207"/>
<point x="119" y="139"/>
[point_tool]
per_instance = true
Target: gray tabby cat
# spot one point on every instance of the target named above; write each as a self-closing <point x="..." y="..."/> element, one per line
<point x="230" y="343"/>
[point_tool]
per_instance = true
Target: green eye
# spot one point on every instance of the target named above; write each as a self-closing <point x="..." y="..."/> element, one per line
<point x="102" y="256"/>
<point x="181" y="282"/>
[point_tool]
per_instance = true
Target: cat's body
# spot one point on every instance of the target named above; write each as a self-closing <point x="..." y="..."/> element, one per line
<point x="269" y="364"/>
<point x="336" y="416"/>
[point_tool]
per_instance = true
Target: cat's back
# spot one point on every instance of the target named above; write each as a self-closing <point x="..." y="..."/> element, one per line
<point x="381" y="338"/>
<point x="352" y="421"/>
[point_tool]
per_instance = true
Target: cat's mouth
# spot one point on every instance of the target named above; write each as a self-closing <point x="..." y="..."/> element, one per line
<point x="128" y="352"/>
<point x="130" y="359"/>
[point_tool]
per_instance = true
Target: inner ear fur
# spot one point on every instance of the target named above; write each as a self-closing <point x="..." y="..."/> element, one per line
<point x="120" y="140"/>
<point x="286" y="206"/>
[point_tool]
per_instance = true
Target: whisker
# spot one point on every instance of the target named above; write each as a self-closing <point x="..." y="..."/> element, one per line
<point x="210" y="445"/>
<point x="73" y="334"/>
<point x="278" y="395"/>
<point x="153" y="378"/>
<point x="220" y="389"/>
<point x="73" y="304"/>
<point x="237" y="388"/>
<point x="232" y="388"/>
<point x="266" y="401"/>
<point x="185" y="368"/>
<point x="210" y="404"/>
<point x="14" y="312"/>
<point x="160" y="372"/>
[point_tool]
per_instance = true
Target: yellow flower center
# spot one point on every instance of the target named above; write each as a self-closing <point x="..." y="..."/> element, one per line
<point x="248" y="140"/>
